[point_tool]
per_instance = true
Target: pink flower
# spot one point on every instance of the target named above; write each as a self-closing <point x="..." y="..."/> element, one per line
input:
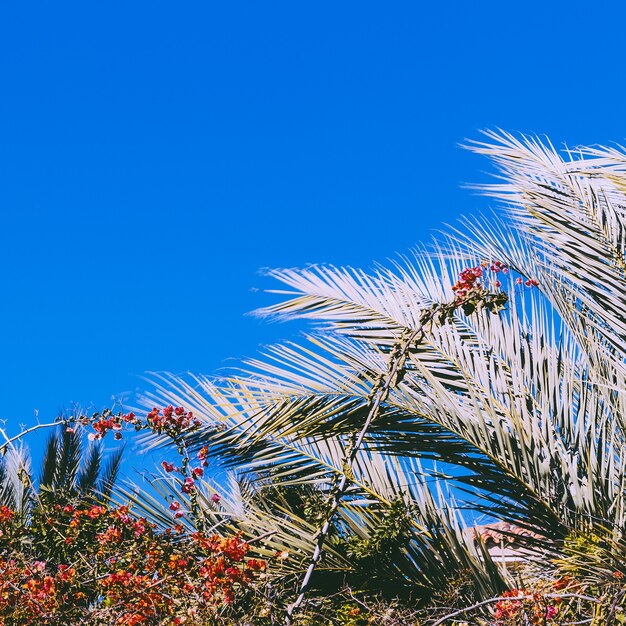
<point x="139" y="528"/>
<point x="168" y="467"/>
<point x="188" y="486"/>
<point x="198" y="471"/>
<point x="498" y="266"/>
<point x="215" y="498"/>
<point x="174" y="506"/>
<point x="551" y="612"/>
<point x="519" y="280"/>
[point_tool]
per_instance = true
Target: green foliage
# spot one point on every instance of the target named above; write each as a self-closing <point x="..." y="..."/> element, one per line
<point x="375" y="555"/>
<point x="70" y="471"/>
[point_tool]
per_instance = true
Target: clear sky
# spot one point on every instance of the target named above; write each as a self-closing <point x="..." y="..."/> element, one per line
<point x="154" y="156"/>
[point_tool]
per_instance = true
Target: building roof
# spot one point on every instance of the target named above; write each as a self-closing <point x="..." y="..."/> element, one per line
<point x="504" y="541"/>
<point x="502" y="533"/>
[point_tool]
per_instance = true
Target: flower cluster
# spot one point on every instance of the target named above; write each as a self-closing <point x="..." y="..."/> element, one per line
<point x="469" y="281"/>
<point x="470" y="278"/>
<point x="220" y="571"/>
<point x="106" y="421"/>
<point x="476" y="288"/>
<point x="171" y="420"/>
<point x="6" y="514"/>
<point x="89" y="562"/>
<point x="521" y="603"/>
<point x="31" y="592"/>
<point x="473" y="291"/>
<point x="94" y="564"/>
<point x="508" y="609"/>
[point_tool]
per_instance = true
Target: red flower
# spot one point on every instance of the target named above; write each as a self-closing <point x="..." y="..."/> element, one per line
<point x="188" y="485"/>
<point x="6" y="514"/>
<point x="95" y="511"/>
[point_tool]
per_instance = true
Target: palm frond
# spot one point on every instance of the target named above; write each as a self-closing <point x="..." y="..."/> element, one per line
<point x="90" y="470"/>
<point x="109" y="474"/>
<point x="523" y="412"/>
<point x="16" y="488"/>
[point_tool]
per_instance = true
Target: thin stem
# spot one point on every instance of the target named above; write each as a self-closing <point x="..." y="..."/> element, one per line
<point x="509" y="599"/>
<point x="9" y="441"/>
<point x="380" y="393"/>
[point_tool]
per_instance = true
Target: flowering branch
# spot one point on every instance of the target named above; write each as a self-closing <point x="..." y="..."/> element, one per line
<point x="508" y="598"/>
<point x="79" y="561"/>
<point x="470" y="294"/>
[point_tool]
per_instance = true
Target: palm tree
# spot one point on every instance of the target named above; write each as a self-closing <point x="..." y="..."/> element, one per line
<point x="71" y="472"/>
<point x="272" y="480"/>
<point x="520" y="415"/>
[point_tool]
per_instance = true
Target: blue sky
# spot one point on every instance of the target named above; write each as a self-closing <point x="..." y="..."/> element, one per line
<point x="154" y="156"/>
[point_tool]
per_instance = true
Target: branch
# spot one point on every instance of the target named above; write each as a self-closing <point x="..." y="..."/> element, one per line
<point x="512" y="599"/>
<point x="380" y="392"/>
<point x="9" y="441"/>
